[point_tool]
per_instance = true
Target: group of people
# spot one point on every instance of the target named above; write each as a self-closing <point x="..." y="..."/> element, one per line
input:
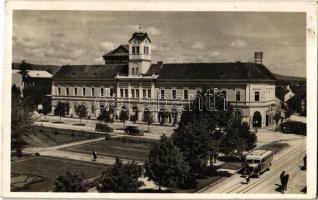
<point x="284" y="181"/>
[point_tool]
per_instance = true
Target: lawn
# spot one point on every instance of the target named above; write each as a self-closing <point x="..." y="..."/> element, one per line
<point x="46" y="136"/>
<point x="46" y="169"/>
<point x="123" y="147"/>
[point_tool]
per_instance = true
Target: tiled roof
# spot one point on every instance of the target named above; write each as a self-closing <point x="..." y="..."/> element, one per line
<point x="34" y="73"/>
<point x="52" y="69"/>
<point x="39" y="74"/>
<point x="113" y="52"/>
<point x="211" y="71"/>
<point x="139" y="36"/>
<point x="90" y="72"/>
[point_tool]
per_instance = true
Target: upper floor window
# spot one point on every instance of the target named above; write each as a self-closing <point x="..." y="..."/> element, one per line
<point x="126" y="92"/>
<point x="185" y="94"/>
<point x="93" y="91"/>
<point x="149" y="93"/>
<point x="137" y="49"/>
<point x="137" y="93"/>
<point x="133" y="71"/>
<point x="133" y="93"/>
<point x="59" y="91"/>
<point x="133" y="50"/>
<point x="102" y="92"/>
<point x="146" y="50"/>
<point x="111" y="92"/>
<point x="256" y="96"/>
<point x="67" y="91"/>
<point x="144" y="93"/>
<point x="121" y="92"/>
<point x="75" y="91"/>
<point x="84" y="91"/>
<point x="238" y="96"/>
<point x="162" y="94"/>
<point x="174" y="94"/>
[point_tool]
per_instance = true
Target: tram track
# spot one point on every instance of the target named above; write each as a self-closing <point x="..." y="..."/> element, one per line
<point x="280" y="163"/>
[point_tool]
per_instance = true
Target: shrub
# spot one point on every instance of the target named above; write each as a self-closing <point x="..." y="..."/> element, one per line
<point x="70" y="182"/>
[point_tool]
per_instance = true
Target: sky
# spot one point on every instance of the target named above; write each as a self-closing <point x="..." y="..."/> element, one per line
<point x="83" y="37"/>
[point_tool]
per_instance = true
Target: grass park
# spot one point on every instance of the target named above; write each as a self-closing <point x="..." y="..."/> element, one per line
<point x="46" y="170"/>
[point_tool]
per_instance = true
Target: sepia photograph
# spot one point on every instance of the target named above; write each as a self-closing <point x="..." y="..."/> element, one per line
<point x="131" y="101"/>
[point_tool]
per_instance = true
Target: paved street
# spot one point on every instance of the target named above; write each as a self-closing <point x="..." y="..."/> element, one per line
<point x="289" y="159"/>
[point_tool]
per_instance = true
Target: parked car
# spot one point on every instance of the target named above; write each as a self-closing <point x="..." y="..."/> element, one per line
<point x="103" y="128"/>
<point x="293" y="127"/>
<point x="133" y="130"/>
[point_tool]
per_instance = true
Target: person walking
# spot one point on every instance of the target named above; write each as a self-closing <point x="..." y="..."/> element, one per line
<point x="247" y="177"/>
<point x="305" y="161"/>
<point x="286" y="181"/>
<point x="282" y="181"/>
<point x="94" y="155"/>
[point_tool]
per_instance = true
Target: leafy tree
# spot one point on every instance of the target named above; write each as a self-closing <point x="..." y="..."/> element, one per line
<point x="238" y="138"/>
<point x="70" y="182"/>
<point x="60" y="110"/>
<point x="21" y="121"/>
<point x="104" y="116"/>
<point x="166" y="165"/>
<point x="123" y="116"/>
<point x="24" y="67"/>
<point x="81" y="111"/>
<point x="46" y="109"/>
<point x="201" y="127"/>
<point x="121" y="178"/>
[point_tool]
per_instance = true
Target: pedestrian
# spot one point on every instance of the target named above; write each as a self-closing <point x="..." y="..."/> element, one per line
<point x="247" y="177"/>
<point x="305" y="161"/>
<point x="286" y="181"/>
<point x="94" y="155"/>
<point x="282" y="181"/>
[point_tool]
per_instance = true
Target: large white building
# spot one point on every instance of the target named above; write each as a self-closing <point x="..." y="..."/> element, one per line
<point x="130" y="81"/>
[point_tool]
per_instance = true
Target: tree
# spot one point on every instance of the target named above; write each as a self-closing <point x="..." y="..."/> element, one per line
<point x="21" y="121"/>
<point x="81" y="111"/>
<point x="205" y="118"/>
<point x="166" y="165"/>
<point x="238" y="138"/>
<point x="70" y="182"/>
<point x="24" y="67"/>
<point x="121" y="178"/>
<point x="60" y="110"/>
<point x="46" y="107"/>
<point x="148" y="117"/>
<point x="123" y="116"/>
<point x="104" y="116"/>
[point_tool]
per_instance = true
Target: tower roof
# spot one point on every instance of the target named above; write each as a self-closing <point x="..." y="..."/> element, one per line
<point x="139" y="36"/>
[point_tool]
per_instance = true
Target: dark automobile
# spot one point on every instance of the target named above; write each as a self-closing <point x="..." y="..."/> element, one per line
<point x="133" y="130"/>
<point x="293" y="127"/>
<point x="103" y="128"/>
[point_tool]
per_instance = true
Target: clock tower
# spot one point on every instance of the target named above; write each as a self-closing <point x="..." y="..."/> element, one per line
<point x="139" y="54"/>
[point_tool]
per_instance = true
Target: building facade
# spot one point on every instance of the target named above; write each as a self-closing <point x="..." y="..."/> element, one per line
<point x="130" y="82"/>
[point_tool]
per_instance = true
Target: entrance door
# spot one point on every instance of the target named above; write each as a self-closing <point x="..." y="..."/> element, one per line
<point x="257" y="120"/>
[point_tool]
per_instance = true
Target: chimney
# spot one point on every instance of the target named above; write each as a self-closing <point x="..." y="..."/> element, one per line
<point x="258" y="56"/>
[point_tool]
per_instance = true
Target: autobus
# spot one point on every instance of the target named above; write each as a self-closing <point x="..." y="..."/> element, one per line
<point x="259" y="161"/>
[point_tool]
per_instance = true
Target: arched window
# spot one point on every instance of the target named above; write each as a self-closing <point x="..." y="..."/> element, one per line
<point x="137" y="71"/>
<point x="133" y="71"/>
